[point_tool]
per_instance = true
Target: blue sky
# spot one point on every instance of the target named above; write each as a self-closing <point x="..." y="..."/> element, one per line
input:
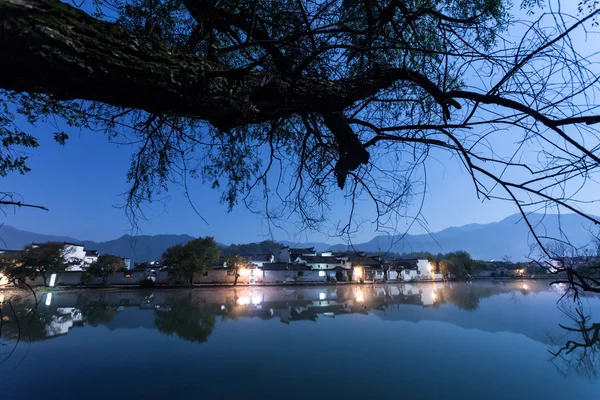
<point x="81" y="184"/>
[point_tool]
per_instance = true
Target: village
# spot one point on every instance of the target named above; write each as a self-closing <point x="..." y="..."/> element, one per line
<point x="289" y="266"/>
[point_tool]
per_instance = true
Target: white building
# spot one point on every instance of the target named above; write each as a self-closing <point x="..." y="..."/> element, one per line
<point x="90" y="257"/>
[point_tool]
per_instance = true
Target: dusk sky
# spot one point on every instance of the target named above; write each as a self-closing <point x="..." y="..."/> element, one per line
<point x="81" y="182"/>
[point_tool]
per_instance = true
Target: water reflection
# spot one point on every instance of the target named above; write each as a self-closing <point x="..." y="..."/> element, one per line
<point x="191" y="314"/>
<point x="484" y="335"/>
<point x="577" y="349"/>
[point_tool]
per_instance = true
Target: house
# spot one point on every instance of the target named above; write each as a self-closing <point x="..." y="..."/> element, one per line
<point x="74" y="254"/>
<point x="90" y="257"/>
<point x="126" y="262"/>
<point x="280" y="272"/>
<point x="417" y="269"/>
<point x="367" y="269"/>
<point x="287" y="254"/>
<point x="327" y="266"/>
<point x="260" y="259"/>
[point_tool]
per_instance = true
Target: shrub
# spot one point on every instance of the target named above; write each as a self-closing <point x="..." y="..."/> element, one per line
<point x="331" y="279"/>
<point x="147" y="284"/>
<point x="345" y="278"/>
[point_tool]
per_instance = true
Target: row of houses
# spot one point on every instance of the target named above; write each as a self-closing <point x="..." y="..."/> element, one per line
<point x="303" y="265"/>
<point x="77" y="256"/>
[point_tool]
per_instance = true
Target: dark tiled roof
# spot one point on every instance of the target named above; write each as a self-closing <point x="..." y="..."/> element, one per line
<point x="91" y="253"/>
<point x="309" y="250"/>
<point x="320" y="259"/>
<point x="68" y="243"/>
<point x="260" y="257"/>
<point x="366" y="262"/>
<point x="281" y="266"/>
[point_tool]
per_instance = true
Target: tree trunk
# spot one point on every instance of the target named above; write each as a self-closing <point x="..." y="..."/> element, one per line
<point x="48" y="46"/>
<point x="235" y="278"/>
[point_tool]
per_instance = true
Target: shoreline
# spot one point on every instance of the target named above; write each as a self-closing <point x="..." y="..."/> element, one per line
<point x="245" y="285"/>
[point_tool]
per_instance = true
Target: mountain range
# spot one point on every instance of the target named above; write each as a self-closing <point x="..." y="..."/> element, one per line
<point x="508" y="237"/>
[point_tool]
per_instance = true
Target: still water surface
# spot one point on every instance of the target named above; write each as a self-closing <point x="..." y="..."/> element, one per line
<point x="483" y="340"/>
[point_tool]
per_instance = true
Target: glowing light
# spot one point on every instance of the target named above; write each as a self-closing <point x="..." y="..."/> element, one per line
<point x="322" y="273"/>
<point x="524" y="286"/>
<point x="358" y="272"/>
<point x="48" y="299"/>
<point x="244" y="272"/>
<point x="52" y="280"/>
<point x="255" y="300"/>
<point x="433" y="295"/>
<point x="322" y="296"/>
<point x="358" y="295"/>
<point x="244" y="300"/>
<point x="222" y="307"/>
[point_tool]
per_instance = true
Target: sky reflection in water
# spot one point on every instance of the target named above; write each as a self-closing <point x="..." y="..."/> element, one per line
<point x="481" y="340"/>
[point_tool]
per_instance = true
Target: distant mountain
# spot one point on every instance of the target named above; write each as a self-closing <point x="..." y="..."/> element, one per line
<point x="319" y="246"/>
<point x="138" y="248"/>
<point x="13" y="238"/>
<point x="509" y="237"/>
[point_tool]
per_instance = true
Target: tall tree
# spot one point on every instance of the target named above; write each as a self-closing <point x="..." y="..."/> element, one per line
<point x="324" y="93"/>
<point x="196" y="256"/>
<point x="103" y="267"/>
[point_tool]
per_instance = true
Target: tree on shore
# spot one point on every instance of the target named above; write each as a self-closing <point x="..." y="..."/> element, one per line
<point x="316" y="95"/>
<point x="43" y="260"/>
<point x="236" y="264"/>
<point x="196" y="256"/>
<point x="105" y="266"/>
<point x="460" y="264"/>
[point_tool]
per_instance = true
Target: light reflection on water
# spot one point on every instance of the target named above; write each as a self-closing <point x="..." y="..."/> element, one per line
<point x="431" y="340"/>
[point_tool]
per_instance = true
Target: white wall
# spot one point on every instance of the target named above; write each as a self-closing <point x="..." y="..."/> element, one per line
<point x="75" y="253"/>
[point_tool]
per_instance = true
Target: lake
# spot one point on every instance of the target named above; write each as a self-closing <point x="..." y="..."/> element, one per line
<point x="485" y="340"/>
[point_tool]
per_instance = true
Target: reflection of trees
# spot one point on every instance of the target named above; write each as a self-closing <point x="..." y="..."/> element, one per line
<point x="465" y="296"/>
<point x="189" y="321"/>
<point x="579" y="350"/>
<point x="95" y="311"/>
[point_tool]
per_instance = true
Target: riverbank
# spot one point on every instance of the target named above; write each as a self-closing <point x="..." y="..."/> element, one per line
<point x="61" y="288"/>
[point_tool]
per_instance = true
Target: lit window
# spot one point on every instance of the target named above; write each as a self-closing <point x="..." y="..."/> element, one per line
<point x="322" y="296"/>
<point x="322" y="273"/>
<point x="128" y="274"/>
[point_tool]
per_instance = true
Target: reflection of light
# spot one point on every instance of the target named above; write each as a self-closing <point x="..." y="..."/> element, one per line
<point x="255" y="300"/>
<point x="433" y="295"/>
<point x="358" y="295"/>
<point x="322" y="296"/>
<point x="244" y="300"/>
<point x="1" y="298"/>
<point x="52" y="280"/>
<point x="48" y="299"/>
<point x="524" y="286"/>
